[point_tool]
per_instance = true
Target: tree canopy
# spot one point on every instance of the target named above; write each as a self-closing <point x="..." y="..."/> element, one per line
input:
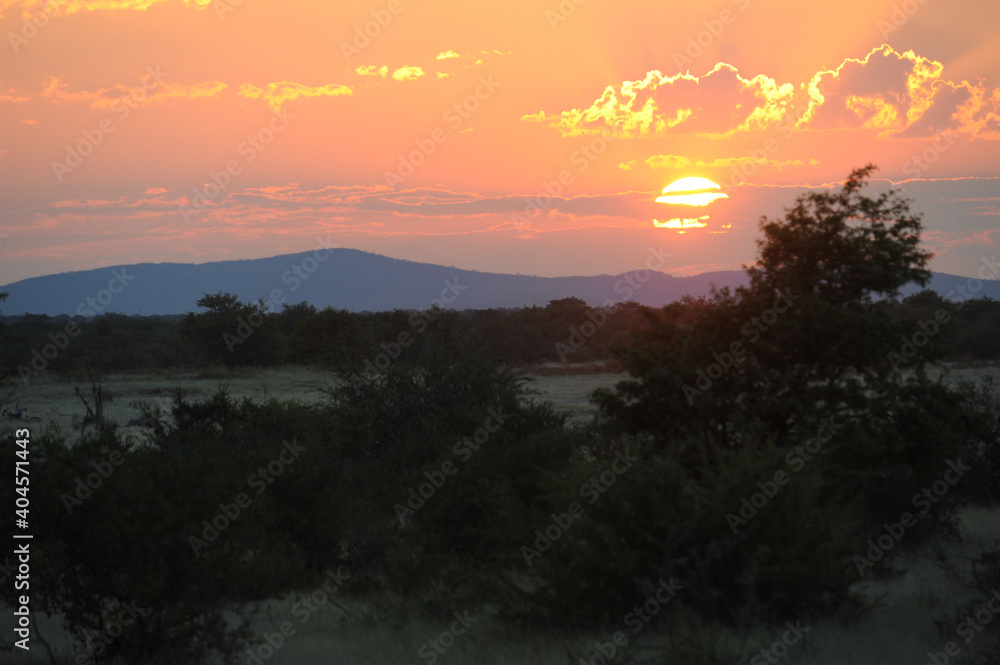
<point x="812" y="337"/>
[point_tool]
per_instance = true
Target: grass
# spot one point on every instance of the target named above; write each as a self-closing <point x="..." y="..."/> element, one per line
<point x="52" y="397"/>
<point x="917" y="613"/>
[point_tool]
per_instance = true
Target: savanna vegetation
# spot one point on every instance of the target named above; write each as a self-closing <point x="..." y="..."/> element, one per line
<point x="748" y="471"/>
<point x="224" y="331"/>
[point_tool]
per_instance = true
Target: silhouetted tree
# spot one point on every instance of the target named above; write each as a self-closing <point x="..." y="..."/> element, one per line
<point x="331" y="337"/>
<point x="812" y="340"/>
<point x="233" y="333"/>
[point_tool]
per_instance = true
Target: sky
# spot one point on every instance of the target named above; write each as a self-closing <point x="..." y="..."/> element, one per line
<point x="528" y="137"/>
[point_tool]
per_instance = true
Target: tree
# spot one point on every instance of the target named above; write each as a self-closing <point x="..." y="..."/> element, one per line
<point x="927" y="299"/>
<point x="797" y="373"/>
<point x="3" y="297"/>
<point x="331" y="337"/>
<point x="232" y="332"/>
<point x="799" y="341"/>
<point x="811" y="340"/>
<point x="292" y="314"/>
<point x="569" y="311"/>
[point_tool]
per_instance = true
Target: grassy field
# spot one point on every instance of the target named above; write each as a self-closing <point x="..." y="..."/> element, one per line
<point x="52" y="398"/>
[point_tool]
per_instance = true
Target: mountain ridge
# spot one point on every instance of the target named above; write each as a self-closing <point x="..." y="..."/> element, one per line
<point x="357" y="281"/>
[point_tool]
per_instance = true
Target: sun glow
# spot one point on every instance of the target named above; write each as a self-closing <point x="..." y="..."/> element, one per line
<point x="691" y="191"/>
<point x="681" y="224"/>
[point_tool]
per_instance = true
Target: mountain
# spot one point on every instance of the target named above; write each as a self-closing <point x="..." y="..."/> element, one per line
<point x="357" y="281"/>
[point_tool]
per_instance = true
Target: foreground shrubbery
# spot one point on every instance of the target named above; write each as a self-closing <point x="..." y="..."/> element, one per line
<point x="173" y="532"/>
<point x="226" y="503"/>
<point x="385" y="484"/>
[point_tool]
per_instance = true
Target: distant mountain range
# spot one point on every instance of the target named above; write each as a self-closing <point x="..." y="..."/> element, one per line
<point x="357" y="281"/>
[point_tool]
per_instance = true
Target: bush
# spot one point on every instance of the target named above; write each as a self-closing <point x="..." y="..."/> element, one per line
<point x="735" y="561"/>
<point x="449" y="456"/>
<point x="183" y="533"/>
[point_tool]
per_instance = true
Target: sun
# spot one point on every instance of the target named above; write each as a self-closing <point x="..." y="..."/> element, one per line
<point x="692" y="191"/>
<point x="690" y="223"/>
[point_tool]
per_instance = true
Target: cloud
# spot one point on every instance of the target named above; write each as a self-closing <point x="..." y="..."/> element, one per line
<point x="150" y="91"/>
<point x="414" y="72"/>
<point x="681" y="162"/>
<point x="372" y="70"/>
<point x="61" y="7"/>
<point x="980" y="116"/>
<point x="276" y="94"/>
<point x="138" y="95"/>
<point x="404" y="73"/>
<point x="899" y="95"/>
<point x="375" y="211"/>
<point x="478" y="56"/>
<point x="719" y="102"/>
<point x="374" y="204"/>
<point x="941" y="242"/>
<point x="407" y="73"/>
<point x="11" y="96"/>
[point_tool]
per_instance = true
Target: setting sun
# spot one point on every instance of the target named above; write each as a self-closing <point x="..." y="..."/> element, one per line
<point x="691" y="223"/>
<point x="691" y="191"/>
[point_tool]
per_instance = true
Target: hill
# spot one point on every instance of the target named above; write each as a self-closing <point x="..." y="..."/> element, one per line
<point x="356" y="281"/>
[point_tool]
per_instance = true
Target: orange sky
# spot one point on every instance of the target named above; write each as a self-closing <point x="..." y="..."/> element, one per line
<point x="529" y="137"/>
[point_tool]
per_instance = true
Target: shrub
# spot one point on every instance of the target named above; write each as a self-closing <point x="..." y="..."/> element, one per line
<point x="662" y="521"/>
<point x="188" y="530"/>
<point x="449" y="456"/>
